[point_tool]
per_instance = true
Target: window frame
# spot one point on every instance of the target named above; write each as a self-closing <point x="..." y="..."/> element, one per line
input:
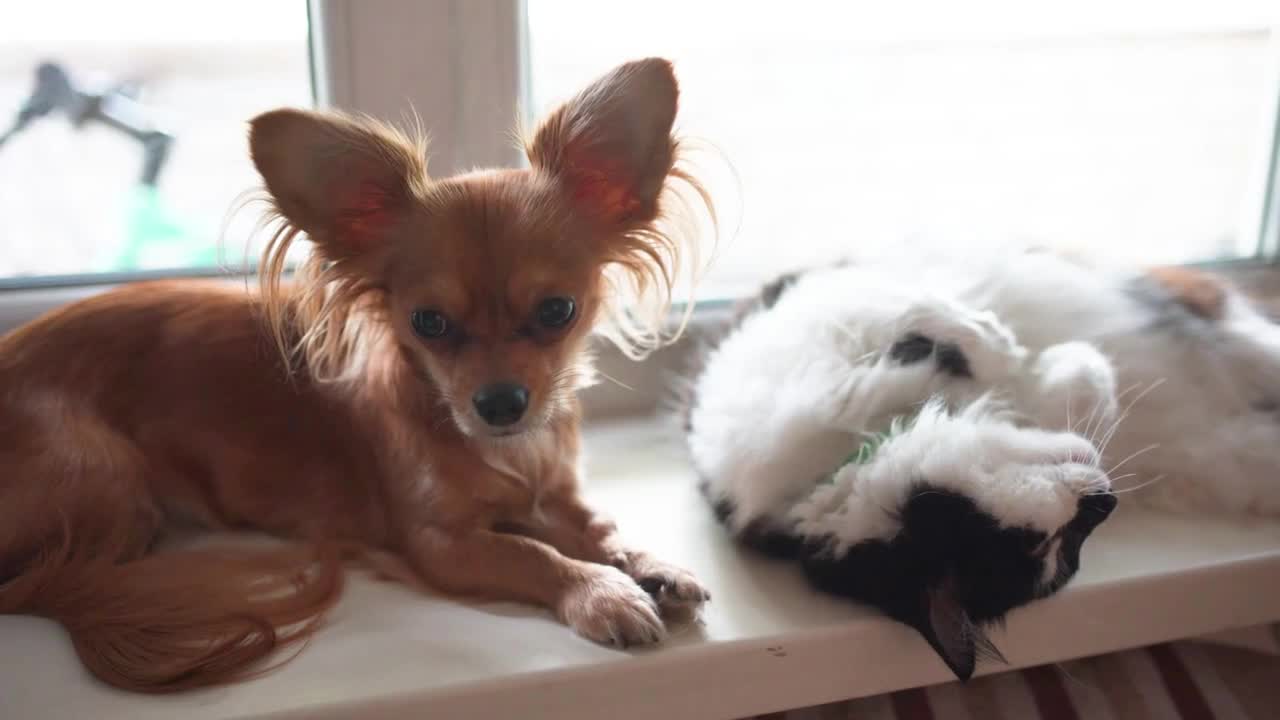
<point x="1268" y="215"/>
<point x="462" y="67"/>
<point x="458" y="64"/>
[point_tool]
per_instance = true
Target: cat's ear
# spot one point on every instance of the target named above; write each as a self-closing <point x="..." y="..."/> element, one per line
<point x="610" y="147"/>
<point x="946" y="625"/>
<point x="343" y="181"/>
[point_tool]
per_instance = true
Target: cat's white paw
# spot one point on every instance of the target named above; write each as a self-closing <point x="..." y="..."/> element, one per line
<point x="1020" y="477"/>
<point x="1023" y="477"/>
<point x="990" y="349"/>
<point x="1071" y="386"/>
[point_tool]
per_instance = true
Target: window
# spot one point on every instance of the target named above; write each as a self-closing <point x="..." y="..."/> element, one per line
<point x="1140" y="131"/>
<point x="76" y="198"/>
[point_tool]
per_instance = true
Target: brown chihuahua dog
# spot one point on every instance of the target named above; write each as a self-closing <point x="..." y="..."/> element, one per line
<point x="423" y="407"/>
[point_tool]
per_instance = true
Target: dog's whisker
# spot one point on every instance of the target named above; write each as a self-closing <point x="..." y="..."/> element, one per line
<point x="615" y="381"/>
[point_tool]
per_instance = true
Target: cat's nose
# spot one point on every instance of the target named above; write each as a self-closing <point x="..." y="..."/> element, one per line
<point x="501" y="403"/>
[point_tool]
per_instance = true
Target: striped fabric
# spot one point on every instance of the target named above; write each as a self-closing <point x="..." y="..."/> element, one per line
<point x="1187" y="681"/>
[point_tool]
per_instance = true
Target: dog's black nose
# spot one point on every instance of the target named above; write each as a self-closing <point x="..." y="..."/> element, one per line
<point x="501" y="403"/>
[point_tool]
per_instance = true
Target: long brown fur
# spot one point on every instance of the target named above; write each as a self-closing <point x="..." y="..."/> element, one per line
<point x="311" y="411"/>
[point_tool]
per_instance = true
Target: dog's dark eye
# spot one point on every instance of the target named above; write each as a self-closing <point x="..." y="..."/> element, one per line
<point x="555" y="312"/>
<point x="429" y="323"/>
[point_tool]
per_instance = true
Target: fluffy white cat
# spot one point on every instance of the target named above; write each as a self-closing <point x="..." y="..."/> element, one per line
<point x="847" y="403"/>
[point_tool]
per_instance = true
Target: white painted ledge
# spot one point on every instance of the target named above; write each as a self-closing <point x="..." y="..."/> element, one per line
<point x="768" y="642"/>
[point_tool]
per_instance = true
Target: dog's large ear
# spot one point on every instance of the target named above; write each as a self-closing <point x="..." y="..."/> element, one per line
<point x="950" y="631"/>
<point x="344" y="182"/>
<point x="611" y="146"/>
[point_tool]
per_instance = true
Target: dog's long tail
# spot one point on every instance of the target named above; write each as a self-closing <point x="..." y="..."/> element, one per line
<point x="179" y="619"/>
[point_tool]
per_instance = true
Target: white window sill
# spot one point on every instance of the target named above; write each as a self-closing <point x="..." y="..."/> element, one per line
<point x="768" y="642"/>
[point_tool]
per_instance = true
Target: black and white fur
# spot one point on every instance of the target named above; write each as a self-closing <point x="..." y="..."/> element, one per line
<point x="1021" y="386"/>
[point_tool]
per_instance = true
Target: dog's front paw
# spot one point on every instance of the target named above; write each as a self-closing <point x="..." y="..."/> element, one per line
<point x="670" y="586"/>
<point x="608" y="607"/>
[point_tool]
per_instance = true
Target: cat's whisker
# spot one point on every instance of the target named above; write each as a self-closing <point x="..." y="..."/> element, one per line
<point x="1096" y="419"/>
<point x="1154" y="384"/>
<point x="1099" y="405"/>
<point x="1109" y="435"/>
<point x="1062" y="668"/>
<point x="1091" y="431"/>
<point x="1139" y="486"/>
<point x="1110" y="490"/>
<point x="1075" y="427"/>
<point x="1100" y="442"/>
<point x="1070" y="427"/>
<point x="1120" y="395"/>
<point x="1133" y="455"/>
<point x="1084" y="423"/>
<point x="1128" y="409"/>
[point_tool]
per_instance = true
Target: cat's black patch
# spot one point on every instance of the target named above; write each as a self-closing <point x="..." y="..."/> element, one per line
<point x="914" y="347"/>
<point x="771" y="541"/>
<point x="952" y="361"/>
<point x="757" y="535"/>
<point x="1091" y="511"/>
<point x="772" y="292"/>
<point x="911" y="349"/>
<point x="950" y="571"/>
<point x="1266" y="406"/>
<point x="722" y="509"/>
